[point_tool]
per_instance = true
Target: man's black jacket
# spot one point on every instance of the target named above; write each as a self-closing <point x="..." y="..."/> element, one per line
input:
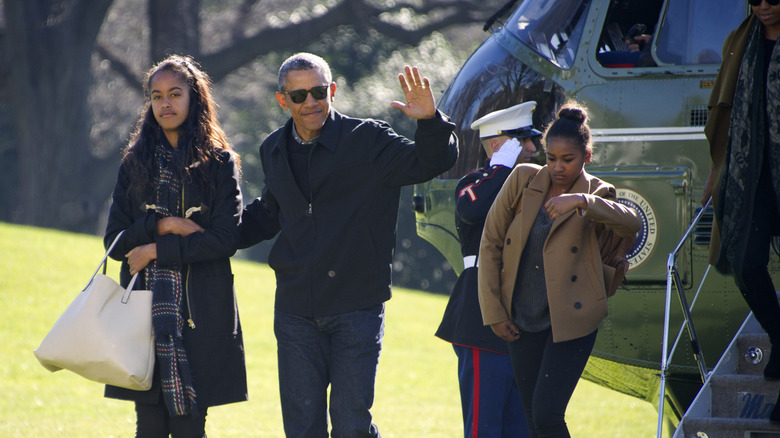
<point x="334" y="253"/>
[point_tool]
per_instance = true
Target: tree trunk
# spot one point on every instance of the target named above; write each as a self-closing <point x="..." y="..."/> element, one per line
<point x="48" y="52"/>
<point x="175" y="28"/>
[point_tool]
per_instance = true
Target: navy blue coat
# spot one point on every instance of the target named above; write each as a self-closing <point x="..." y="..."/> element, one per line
<point x="335" y="250"/>
<point x="462" y="320"/>
<point x="215" y="345"/>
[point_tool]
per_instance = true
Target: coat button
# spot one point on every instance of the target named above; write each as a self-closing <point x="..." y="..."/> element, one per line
<point x="331" y="274"/>
<point x="573" y="278"/>
<point x="508" y="241"/>
<point x="574" y="250"/>
<point x="578" y="305"/>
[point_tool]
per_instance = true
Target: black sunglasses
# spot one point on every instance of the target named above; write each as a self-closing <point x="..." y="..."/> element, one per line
<point x="758" y="2"/>
<point x="298" y="96"/>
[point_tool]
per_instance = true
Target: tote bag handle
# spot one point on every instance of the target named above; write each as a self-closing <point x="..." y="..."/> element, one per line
<point x="104" y="264"/>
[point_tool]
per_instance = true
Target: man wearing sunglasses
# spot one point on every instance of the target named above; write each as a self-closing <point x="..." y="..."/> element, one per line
<point x="744" y="178"/>
<point x="332" y="188"/>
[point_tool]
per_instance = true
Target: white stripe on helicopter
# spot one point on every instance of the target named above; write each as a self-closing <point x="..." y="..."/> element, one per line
<point x="647" y="134"/>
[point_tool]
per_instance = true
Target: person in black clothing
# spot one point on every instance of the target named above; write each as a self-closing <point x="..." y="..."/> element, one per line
<point x="744" y="181"/>
<point x="489" y="397"/>
<point x="177" y="204"/>
<point x="332" y="187"/>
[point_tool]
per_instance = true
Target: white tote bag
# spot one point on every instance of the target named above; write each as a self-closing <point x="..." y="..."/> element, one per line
<point x="104" y="335"/>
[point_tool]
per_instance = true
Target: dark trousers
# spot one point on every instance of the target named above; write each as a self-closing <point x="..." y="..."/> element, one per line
<point x="489" y="396"/>
<point x="154" y="421"/>
<point x="547" y="374"/>
<point x="752" y="278"/>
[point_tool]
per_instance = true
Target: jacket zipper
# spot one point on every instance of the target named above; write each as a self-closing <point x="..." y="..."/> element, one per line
<point x="308" y="175"/>
<point x="235" y="313"/>
<point x="190" y="322"/>
<point x="313" y="224"/>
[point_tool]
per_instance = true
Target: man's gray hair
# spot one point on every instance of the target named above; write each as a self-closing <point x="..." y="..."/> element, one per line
<point x="304" y="61"/>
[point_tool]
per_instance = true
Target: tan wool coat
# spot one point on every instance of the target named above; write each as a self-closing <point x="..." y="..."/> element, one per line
<point x="576" y="290"/>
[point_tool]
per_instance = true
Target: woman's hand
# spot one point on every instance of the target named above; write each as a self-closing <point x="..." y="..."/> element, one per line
<point x="560" y="205"/>
<point x="506" y="330"/>
<point x="140" y="256"/>
<point x="177" y="225"/>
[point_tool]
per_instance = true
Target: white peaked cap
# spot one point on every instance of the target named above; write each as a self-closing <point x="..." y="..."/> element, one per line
<point x="509" y="121"/>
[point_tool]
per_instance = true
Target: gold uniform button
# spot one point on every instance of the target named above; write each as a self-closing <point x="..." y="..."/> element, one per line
<point x="331" y="274"/>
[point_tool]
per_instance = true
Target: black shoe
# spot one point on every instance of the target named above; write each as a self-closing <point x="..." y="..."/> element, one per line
<point x="772" y="369"/>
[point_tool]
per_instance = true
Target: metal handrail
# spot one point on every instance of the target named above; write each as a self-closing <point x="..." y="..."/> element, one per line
<point x="673" y="277"/>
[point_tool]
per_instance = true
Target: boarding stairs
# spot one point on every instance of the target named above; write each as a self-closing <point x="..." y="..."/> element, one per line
<point x="735" y="401"/>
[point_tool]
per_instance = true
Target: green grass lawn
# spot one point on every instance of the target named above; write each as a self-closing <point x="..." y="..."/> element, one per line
<point x="417" y="390"/>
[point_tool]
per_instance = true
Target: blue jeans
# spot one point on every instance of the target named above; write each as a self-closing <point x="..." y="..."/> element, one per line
<point x="341" y="351"/>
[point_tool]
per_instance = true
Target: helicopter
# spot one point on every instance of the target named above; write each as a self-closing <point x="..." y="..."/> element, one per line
<point x="644" y="69"/>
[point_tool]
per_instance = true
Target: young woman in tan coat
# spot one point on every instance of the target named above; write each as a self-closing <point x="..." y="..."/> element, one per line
<point x="541" y="280"/>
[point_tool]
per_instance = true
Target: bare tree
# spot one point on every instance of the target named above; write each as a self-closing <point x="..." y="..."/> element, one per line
<point x="47" y="48"/>
<point x="361" y="15"/>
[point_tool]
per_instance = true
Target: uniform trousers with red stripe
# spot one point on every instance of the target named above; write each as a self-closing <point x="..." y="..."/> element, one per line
<point x="489" y="396"/>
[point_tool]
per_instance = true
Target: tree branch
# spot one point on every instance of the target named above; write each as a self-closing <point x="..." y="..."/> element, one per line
<point x="347" y="13"/>
<point x="219" y="64"/>
<point x="242" y="18"/>
<point x="88" y="16"/>
<point x="119" y="66"/>
<point x="465" y="6"/>
<point x="413" y="37"/>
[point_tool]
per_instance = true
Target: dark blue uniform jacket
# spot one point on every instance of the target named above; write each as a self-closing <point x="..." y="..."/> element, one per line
<point x="462" y="321"/>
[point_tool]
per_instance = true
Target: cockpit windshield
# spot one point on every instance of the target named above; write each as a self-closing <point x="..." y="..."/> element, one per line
<point x="551" y="28"/>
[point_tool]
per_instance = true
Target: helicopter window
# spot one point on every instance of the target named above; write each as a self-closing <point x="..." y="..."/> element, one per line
<point x="551" y="28"/>
<point x="626" y="39"/>
<point x="693" y="31"/>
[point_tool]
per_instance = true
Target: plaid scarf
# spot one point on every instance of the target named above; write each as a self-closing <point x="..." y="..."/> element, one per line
<point x="168" y="293"/>
<point x="754" y="115"/>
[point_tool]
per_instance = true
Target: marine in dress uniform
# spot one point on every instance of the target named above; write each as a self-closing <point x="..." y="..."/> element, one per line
<point x="489" y="397"/>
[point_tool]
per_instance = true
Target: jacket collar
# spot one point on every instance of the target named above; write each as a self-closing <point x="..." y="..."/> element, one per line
<point x="540" y="184"/>
<point x="329" y="137"/>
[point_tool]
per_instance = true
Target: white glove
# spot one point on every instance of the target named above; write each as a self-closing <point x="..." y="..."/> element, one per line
<point x="507" y="154"/>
